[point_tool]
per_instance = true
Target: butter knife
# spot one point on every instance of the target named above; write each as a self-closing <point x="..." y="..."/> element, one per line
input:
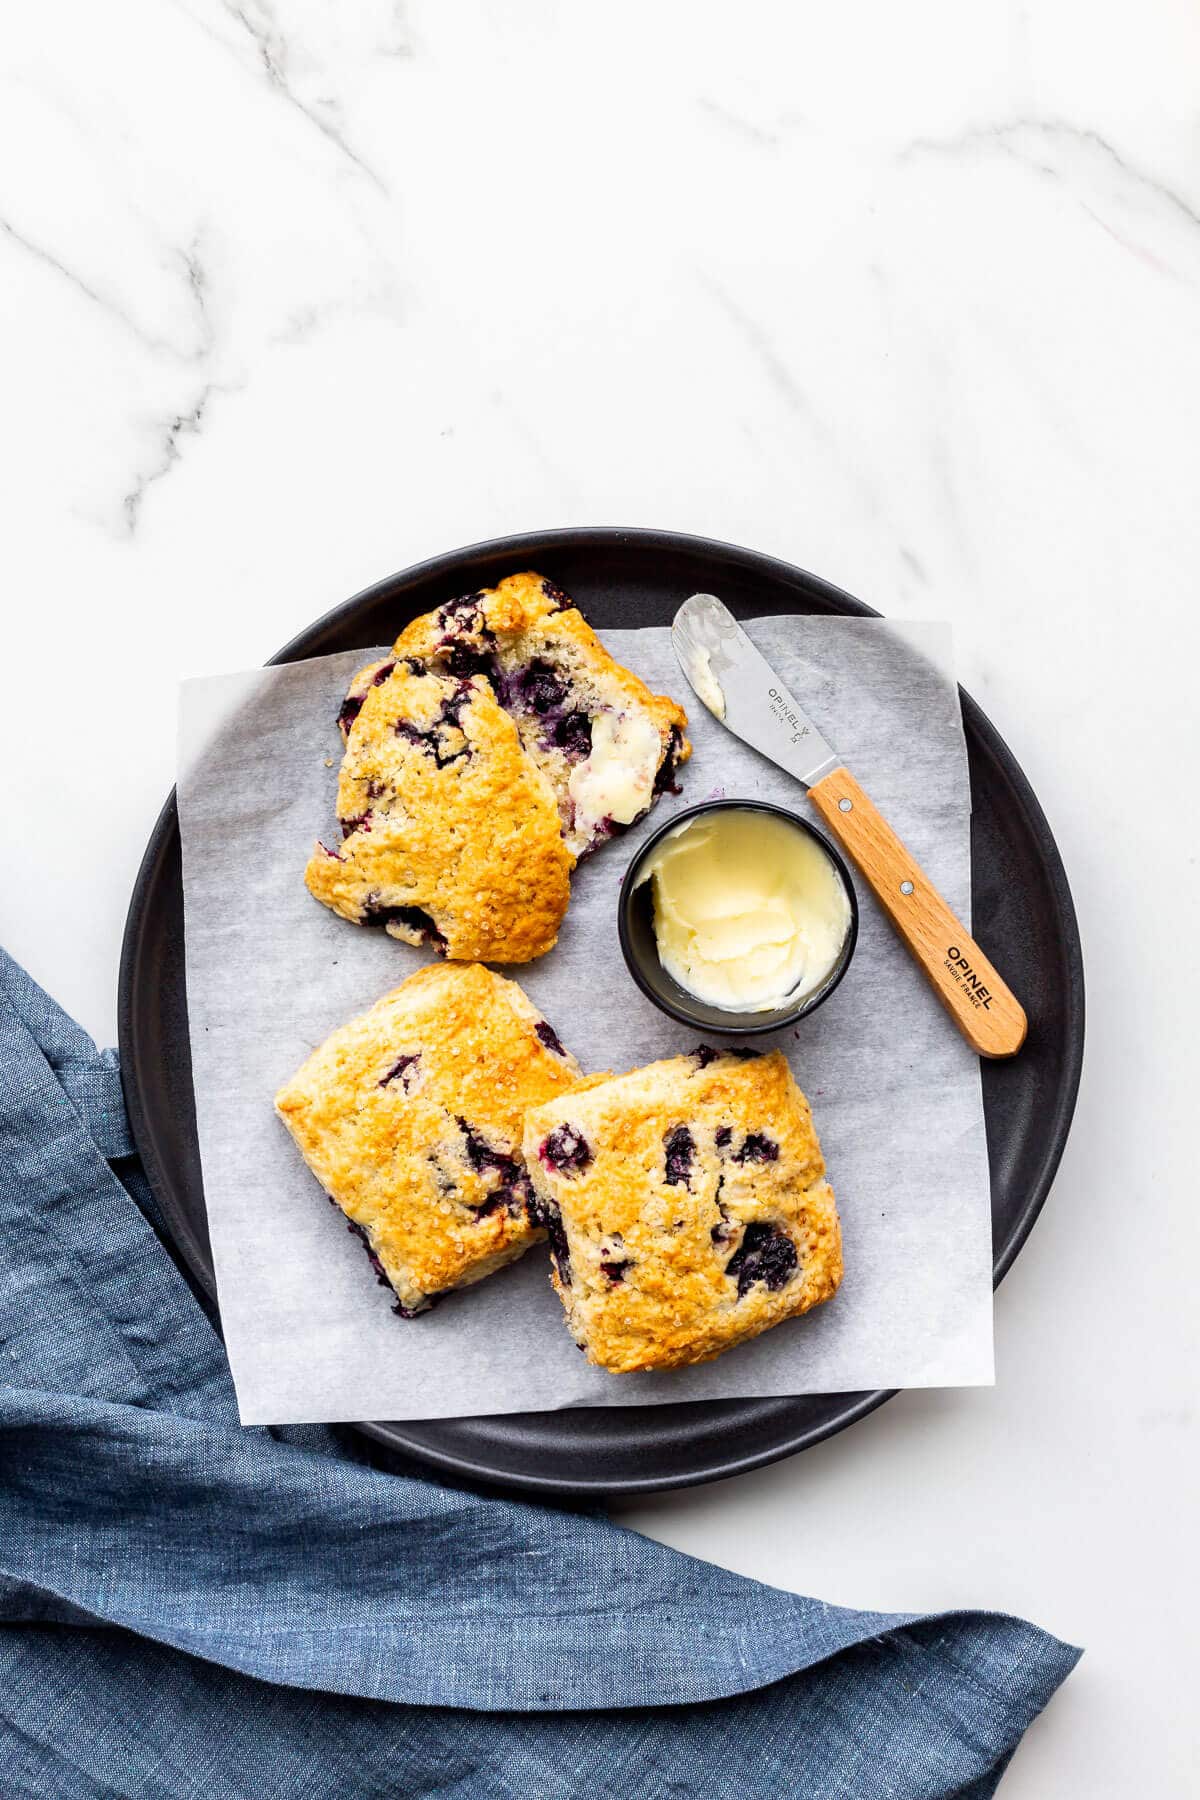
<point x="739" y="687"/>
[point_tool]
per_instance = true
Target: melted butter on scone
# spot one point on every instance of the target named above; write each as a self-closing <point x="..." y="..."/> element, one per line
<point x="617" y="780"/>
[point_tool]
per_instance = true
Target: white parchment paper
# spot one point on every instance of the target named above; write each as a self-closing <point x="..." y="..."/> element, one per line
<point x="895" y="1092"/>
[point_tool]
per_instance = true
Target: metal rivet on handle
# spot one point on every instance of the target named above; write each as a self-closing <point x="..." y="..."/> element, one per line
<point x="846" y="805"/>
<point x="906" y="887"/>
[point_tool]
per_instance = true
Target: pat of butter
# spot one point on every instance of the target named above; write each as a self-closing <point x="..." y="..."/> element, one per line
<point x="617" y="780"/>
<point x="749" y="911"/>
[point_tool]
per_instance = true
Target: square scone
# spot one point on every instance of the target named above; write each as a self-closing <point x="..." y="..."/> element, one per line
<point x="410" y="1117"/>
<point x="687" y="1207"/>
<point x="498" y="743"/>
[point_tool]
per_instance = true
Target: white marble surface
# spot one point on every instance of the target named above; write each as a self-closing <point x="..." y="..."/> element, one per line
<point x="294" y="295"/>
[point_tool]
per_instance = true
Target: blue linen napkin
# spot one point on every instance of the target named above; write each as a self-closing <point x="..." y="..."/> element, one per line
<point x="195" y="1608"/>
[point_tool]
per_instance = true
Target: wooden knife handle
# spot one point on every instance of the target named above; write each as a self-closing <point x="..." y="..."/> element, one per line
<point x="977" y="999"/>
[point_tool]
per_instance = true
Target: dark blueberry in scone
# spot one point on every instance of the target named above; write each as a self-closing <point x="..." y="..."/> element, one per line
<point x="680" y="1147"/>
<point x="413" y="918"/>
<point x="756" y="1148"/>
<point x="350" y="708"/>
<point x="677" y="1250"/>
<point x="464" y="614"/>
<point x="484" y="1159"/>
<point x="572" y="734"/>
<point x="462" y="659"/>
<point x="722" y="1231"/>
<point x="445" y="747"/>
<point x="566" y="1151"/>
<point x="352" y="705"/>
<point x="539" y="687"/>
<point x="549" y="1217"/>
<point x="765" y="1255"/>
<point x="549" y="1037"/>
<point x="403" y="1070"/>
<point x="664" y="781"/>
<point x="451" y="713"/>
<point x="358" y="1232"/>
<point x="560" y="600"/>
<point x="411" y="1118"/>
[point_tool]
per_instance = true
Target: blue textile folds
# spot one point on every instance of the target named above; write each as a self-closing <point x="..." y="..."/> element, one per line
<point x="197" y="1609"/>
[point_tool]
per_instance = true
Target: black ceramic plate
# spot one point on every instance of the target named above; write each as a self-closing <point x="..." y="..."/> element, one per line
<point x="1023" y="917"/>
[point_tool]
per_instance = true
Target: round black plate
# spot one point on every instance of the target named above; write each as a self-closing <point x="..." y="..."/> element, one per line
<point x="1023" y="917"/>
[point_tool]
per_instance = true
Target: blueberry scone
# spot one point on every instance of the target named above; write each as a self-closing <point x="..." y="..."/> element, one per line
<point x="687" y="1207"/>
<point x="495" y="745"/>
<point x="450" y="833"/>
<point x="606" y="745"/>
<point x="410" y="1118"/>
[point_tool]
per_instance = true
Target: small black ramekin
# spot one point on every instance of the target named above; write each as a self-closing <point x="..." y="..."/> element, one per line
<point x="635" y="928"/>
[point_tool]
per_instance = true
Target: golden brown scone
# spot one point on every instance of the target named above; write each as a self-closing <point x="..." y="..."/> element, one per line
<point x="687" y="1207"/>
<point x="606" y="744"/>
<point x="410" y="1118"/>
<point x="451" y="833"/>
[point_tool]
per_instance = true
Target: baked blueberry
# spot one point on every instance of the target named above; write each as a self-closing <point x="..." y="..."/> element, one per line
<point x="572" y="734"/>
<point x="566" y="1151"/>
<point x="664" y="781"/>
<point x="402" y="1070"/>
<point x="757" y="1148"/>
<point x="414" y="919"/>
<point x="549" y="1037"/>
<point x="549" y="1217"/>
<point x="680" y="1147"/>
<point x="538" y="687"/>
<point x="765" y="1255"/>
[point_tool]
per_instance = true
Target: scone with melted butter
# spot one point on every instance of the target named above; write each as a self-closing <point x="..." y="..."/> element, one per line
<point x="687" y="1207"/>
<point x="606" y="744"/>
<point x="411" y="1116"/>
<point x="498" y="743"/>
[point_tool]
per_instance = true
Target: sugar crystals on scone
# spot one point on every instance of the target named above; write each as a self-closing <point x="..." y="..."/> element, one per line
<point x="410" y="1117"/>
<point x="687" y="1207"/>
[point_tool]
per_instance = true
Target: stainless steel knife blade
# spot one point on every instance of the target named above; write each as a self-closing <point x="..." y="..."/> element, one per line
<point x="739" y="687"/>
